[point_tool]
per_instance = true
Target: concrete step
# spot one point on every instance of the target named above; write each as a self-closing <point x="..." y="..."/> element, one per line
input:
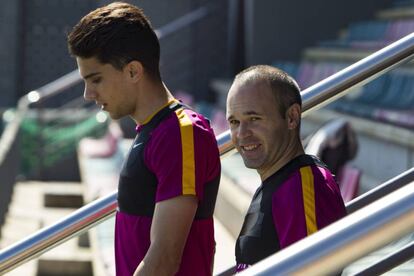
<point x="397" y="13"/>
<point x="28" y="213"/>
<point x="23" y="216"/>
<point x="66" y="259"/>
<point x="63" y="195"/>
<point x="27" y="269"/>
<point x="22" y="219"/>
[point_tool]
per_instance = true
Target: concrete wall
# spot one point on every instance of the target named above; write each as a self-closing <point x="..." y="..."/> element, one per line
<point x="44" y="54"/>
<point x="10" y="36"/>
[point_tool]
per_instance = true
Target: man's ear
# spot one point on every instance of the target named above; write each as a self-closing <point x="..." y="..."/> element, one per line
<point x="293" y="115"/>
<point x="134" y="70"/>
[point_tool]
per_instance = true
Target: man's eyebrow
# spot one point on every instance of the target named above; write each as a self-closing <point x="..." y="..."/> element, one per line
<point x="251" y="113"/>
<point x="246" y="113"/>
<point x="91" y="75"/>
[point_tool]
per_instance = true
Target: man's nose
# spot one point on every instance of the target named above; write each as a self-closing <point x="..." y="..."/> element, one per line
<point x="89" y="94"/>
<point x="244" y="130"/>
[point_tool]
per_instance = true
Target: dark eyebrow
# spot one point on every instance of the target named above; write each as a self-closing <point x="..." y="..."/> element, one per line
<point x="252" y="113"/>
<point x="91" y="75"/>
<point x="248" y="113"/>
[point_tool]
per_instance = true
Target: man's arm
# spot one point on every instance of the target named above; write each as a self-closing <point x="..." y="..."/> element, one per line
<point x="170" y="227"/>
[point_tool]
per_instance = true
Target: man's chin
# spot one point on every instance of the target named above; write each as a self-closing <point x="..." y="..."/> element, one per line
<point x="115" y="116"/>
<point x="251" y="164"/>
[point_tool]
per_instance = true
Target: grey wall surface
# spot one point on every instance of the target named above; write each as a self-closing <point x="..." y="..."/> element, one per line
<point x="280" y="30"/>
<point x="44" y="54"/>
<point x="9" y="49"/>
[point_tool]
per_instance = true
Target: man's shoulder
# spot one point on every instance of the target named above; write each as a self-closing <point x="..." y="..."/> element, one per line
<point x="303" y="168"/>
<point x="185" y="127"/>
<point x="185" y="119"/>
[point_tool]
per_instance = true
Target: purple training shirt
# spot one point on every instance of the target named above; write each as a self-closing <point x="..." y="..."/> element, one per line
<point x="182" y="153"/>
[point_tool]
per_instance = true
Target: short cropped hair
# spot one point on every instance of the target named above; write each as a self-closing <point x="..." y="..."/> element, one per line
<point x="117" y="34"/>
<point x="285" y="89"/>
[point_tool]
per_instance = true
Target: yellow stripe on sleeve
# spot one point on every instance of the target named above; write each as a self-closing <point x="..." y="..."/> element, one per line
<point x="308" y="193"/>
<point x="187" y="144"/>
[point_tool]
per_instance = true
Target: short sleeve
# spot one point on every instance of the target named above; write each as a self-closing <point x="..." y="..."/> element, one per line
<point x="288" y="211"/>
<point x="182" y="156"/>
<point x="308" y="201"/>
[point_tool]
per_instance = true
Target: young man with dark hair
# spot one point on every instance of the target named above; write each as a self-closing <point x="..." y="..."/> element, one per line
<point x="168" y="183"/>
<point x="298" y="194"/>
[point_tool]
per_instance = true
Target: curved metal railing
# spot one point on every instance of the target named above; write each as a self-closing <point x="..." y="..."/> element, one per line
<point x="313" y="97"/>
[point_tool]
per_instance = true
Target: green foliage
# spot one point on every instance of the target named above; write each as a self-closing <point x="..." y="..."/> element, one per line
<point x="47" y="143"/>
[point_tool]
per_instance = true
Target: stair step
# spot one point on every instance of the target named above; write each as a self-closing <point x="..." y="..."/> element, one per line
<point x="27" y="269"/>
<point x="63" y="195"/>
<point x="397" y="13"/>
<point x="48" y="267"/>
<point x="29" y="212"/>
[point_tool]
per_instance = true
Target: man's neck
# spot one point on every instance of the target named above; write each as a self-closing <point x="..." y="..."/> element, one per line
<point x="291" y="154"/>
<point x="151" y="99"/>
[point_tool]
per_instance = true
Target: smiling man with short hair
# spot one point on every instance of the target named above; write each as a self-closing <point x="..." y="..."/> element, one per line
<point x="298" y="194"/>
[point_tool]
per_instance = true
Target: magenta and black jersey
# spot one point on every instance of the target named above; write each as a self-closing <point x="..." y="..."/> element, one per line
<point x="175" y="153"/>
<point x="298" y="200"/>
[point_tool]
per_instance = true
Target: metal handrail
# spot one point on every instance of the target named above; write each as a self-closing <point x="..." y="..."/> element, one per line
<point x="329" y="250"/>
<point x="380" y="191"/>
<point x="335" y="86"/>
<point x="390" y="261"/>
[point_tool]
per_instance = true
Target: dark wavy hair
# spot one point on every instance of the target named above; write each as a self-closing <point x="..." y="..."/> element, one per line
<point x="117" y="34"/>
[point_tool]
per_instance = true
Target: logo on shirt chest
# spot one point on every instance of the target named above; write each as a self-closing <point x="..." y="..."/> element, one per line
<point x="137" y="145"/>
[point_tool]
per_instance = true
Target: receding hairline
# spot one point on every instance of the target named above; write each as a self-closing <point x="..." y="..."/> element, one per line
<point x="283" y="87"/>
<point x="263" y="74"/>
